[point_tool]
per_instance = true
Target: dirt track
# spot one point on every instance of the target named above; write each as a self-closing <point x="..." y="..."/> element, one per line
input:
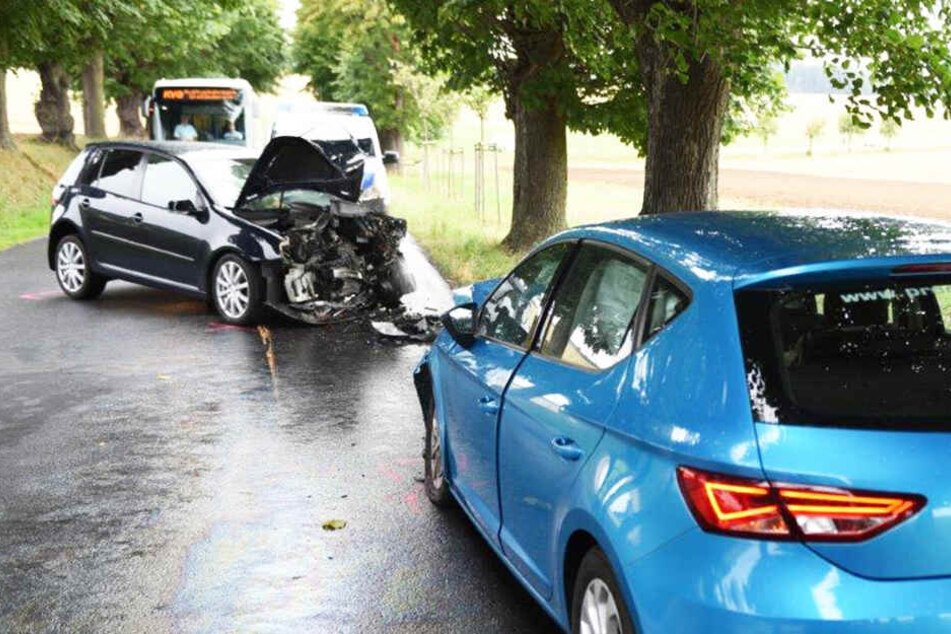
<point x="755" y="188"/>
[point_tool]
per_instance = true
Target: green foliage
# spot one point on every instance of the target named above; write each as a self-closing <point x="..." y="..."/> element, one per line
<point x="360" y="50"/>
<point x="757" y="111"/>
<point x="889" y="129"/>
<point x="896" y="50"/>
<point x="850" y="126"/>
<point x="813" y="129"/>
<point x="537" y="51"/>
<point x="183" y="38"/>
<point x="252" y="45"/>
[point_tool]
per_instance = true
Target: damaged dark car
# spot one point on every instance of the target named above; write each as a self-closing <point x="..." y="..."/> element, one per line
<point x="296" y="229"/>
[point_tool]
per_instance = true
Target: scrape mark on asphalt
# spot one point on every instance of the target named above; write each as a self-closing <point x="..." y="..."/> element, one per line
<point x="217" y="326"/>
<point x="35" y="296"/>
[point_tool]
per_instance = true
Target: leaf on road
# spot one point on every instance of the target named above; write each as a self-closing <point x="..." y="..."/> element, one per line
<point x="334" y="525"/>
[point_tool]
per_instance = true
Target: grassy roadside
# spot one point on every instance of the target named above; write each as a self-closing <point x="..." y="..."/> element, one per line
<point x="461" y="246"/>
<point x="466" y="248"/>
<point x="27" y="176"/>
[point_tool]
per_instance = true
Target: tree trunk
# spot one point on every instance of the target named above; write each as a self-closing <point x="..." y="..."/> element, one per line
<point x="6" y="138"/>
<point x="130" y="121"/>
<point x="685" y="119"/>
<point x="52" y="109"/>
<point x="392" y="139"/>
<point x="540" y="179"/>
<point x="685" y="124"/>
<point x="94" y="100"/>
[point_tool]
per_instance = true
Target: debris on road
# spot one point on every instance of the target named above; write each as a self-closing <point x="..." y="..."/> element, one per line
<point x="407" y="323"/>
<point x="334" y="525"/>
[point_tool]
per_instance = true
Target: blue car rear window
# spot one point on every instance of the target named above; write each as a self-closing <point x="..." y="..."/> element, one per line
<point x="876" y="355"/>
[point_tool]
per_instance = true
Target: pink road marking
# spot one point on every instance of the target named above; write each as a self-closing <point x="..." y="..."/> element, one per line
<point x="217" y="326"/>
<point x="412" y="502"/>
<point x="390" y="474"/>
<point x="36" y="296"/>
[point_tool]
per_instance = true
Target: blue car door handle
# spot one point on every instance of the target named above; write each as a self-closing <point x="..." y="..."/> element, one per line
<point x="566" y="448"/>
<point x="488" y="404"/>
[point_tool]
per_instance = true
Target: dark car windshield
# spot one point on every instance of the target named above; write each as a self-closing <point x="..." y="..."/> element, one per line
<point x="223" y="177"/>
<point x="876" y="355"/>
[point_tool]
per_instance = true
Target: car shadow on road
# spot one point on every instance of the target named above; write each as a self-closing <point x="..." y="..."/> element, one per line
<point x="508" y="595"/>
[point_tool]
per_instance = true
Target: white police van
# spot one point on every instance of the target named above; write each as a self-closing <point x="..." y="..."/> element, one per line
<point x="342" y="130"/>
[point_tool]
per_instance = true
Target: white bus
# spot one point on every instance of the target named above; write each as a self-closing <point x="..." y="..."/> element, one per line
<point x="218" y="110"/>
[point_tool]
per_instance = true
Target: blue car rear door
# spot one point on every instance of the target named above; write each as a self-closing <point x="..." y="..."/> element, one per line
<point x="475" y="379"/>
<point x="559" y="399"/>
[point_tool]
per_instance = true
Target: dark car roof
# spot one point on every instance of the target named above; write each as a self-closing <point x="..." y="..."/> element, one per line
<point x="721" y="246"/>
<point x="183" y="149"/>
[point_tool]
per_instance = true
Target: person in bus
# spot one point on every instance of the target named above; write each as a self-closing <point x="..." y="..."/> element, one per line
<point x="185" y="131"/>
<point x="230" y="134"/>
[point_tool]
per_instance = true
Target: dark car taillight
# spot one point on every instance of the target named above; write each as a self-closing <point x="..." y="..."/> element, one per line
<point x="751" y="508"/>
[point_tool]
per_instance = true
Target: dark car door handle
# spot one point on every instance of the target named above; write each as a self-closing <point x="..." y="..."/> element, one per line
<point x="84" y="204"/>
<point x="488" y="404"/>
<point x="137" y="218"/>
<point x="566" y="448"/>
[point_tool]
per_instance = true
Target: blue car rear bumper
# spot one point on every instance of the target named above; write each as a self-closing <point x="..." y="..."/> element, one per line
<point x="705" y="583"/>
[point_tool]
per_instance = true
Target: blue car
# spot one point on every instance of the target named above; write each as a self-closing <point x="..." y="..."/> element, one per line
<point x="709" y="422"/>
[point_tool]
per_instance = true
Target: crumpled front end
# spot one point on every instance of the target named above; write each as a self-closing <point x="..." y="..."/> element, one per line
<point x="341" y="262"/>
<point x="340" y="252"/>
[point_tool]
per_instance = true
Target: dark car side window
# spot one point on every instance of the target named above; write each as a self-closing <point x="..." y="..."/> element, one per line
<point x="166" y="181"/>
<point x="593" y="308"/>
<point x="93" y="165"/>
<point x="120" y="173"/>
<point x="512" y="312"/>
<point x="666" y="302"/>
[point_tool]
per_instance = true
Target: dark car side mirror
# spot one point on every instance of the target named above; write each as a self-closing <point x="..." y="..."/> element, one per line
<point x="460" y="322"/>
<point x="185" y="206"/>
<point x="391" y="157"/>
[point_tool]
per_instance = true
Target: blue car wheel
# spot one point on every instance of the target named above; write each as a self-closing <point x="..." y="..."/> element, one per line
<point x="437" y="488"/>
<point x="598" y="605"/>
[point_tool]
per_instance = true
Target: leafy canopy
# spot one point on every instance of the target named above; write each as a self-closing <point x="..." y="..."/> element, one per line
<point x="536" y="51"/>
<point x="897" y="48"/>
<point x="360" y="50"/>
<point x="183" y="38"/>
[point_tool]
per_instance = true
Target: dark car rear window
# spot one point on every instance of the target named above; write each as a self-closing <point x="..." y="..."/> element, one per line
<point x="876" y="355"/>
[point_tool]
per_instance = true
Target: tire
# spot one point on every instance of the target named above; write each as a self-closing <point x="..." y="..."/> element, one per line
<point x="75" y="277"/>
<point x="236" y="290"/>
<point x="595" y="585"/>
<point x="435" y="481"/>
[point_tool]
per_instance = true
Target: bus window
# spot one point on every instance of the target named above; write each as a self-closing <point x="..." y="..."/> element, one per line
<point x="193" y="114"/>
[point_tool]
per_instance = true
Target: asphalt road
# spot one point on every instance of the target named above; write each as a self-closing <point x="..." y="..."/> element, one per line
<point x="158" y="474"/>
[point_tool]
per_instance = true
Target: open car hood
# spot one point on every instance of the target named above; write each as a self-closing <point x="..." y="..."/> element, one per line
<point x="291" y="162"/>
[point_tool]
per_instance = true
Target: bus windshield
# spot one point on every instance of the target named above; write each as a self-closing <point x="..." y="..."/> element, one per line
<point x="200" y="114"/>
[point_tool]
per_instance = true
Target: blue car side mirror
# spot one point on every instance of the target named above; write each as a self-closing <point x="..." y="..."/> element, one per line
<point x="460" y="322"/>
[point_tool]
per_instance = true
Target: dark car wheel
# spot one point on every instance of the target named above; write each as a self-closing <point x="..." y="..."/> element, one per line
<point x="236" y="290"/>
<point x="597" y="606"/>
<point x="437" y="488"/>
<point x="72" y="270"/>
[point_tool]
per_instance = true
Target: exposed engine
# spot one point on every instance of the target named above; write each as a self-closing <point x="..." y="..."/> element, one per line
<point x="340" y="253"/>
<point x="341" y="260"/>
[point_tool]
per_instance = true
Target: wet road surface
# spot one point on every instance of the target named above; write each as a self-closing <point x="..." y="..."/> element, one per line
<point x="158" y="474"/>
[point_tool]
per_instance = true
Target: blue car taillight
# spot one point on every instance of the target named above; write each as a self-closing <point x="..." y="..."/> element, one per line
<point x="751" y="508"/>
